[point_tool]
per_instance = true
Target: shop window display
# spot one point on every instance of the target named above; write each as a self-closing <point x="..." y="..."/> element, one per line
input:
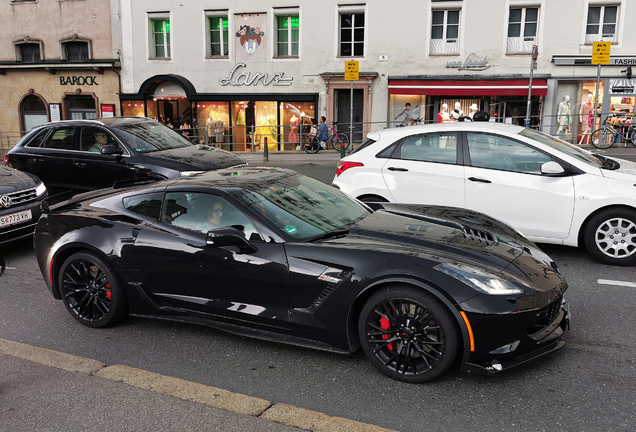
<point x="133" y="108"/>
<point x="212" y="120"/>
<point x="459" y="108"/>
<point x="400" y="112"/>
<point x="588" y="122"/>
<point x="291" y="116"/>
<point x="266" y="124"/>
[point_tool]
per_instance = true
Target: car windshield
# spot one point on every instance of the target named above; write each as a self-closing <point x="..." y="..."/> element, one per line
<point x="303" y="207"/>
<point x="563" y="147"/>
<point x="146" y="137"/>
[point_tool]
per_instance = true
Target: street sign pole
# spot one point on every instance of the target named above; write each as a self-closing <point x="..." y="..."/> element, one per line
<point x="351" y="74"/>
<point x="600" y="56"/>
<point x="533" y="65"/>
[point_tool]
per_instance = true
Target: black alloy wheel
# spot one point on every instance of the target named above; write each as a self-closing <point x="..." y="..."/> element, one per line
<point x="408" y="334"/>
<point x="610" y="237"/>
<point x="90" y="291"/>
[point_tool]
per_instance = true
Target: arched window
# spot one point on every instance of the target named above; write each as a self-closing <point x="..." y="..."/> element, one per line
<point x="33" y="112"/>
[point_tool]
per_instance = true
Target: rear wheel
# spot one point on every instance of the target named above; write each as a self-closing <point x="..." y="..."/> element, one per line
<point x="339" y="140"/>
<point x="610" y="237"/>
<point x="91" y="291"/>
<point x="408" y="334"/>
<point x="311" y="144"/>
<point x="602" y="138"/>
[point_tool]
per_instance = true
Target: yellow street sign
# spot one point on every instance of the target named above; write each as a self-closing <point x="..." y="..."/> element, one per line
<point x="351" y="71"/>
<point x="601" y="52"/>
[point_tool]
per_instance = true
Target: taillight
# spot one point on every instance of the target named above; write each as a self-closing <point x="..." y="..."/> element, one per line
<point x="6" y="159"/>
<point x="343" y="166"/>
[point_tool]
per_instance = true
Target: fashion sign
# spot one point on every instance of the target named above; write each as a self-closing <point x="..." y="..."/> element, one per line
<point x="471" y="63"/>
<point x="247" y="78"/>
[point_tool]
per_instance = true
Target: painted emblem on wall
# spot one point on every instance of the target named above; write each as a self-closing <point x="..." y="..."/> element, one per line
<point x="250" y="38"/>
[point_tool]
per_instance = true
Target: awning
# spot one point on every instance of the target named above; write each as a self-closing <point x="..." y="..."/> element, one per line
<point x="514" y="87"/>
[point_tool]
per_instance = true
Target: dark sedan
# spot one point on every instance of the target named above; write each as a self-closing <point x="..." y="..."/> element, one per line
<point x="81" y="155"/>
<point x="276" y="255"/>
<point x="21" y="196"/>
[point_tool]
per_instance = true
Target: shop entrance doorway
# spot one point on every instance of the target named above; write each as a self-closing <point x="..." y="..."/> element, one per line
<point x="343" y="98"/>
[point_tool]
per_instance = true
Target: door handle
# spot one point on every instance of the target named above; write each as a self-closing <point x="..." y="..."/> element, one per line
<point x="38" y="160"/>
<point x="477" y="179"/>
<point x="135" y="232"/>
<point x="397" y="169"/>
<point x="80" y="164"/>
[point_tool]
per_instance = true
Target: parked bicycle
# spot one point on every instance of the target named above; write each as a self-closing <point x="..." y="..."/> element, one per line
<point x="311" y="142"/>
<point x="605" y="136"/>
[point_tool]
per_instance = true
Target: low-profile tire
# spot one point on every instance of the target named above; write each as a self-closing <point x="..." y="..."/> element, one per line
<point x="91" y="291"/>
<point x="408" y="334"/>
<point x="610" y="237"/>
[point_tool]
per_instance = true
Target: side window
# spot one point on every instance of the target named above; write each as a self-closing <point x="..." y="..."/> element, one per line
<point x="495" y="152"/>
<point x="145" y="204"/>
<point x="93" y="139"/>
<point x="204" y="212"/>
<point x="429" y="148"/>
<point x="36" y="139"/>
<point x="61" y="139"/>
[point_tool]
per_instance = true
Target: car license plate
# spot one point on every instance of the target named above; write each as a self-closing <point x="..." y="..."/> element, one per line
<point x="15" y="218"/>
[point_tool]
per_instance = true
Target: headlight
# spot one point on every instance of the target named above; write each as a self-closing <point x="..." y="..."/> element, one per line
<point x="479" y="280"/>
<point x="190" y="173"/>
<point x="40" y="189"/>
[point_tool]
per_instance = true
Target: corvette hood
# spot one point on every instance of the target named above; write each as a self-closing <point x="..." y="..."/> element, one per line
<point x="197" y="157"/>
<point x="446" y="231"/>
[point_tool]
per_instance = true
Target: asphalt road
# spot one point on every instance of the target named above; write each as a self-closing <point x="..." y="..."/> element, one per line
<point x="590" y="385"/>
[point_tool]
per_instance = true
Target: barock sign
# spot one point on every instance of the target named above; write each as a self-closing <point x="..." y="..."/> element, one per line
<point x="471" y="63"/>
<point x="78" y="80"/>
<point x="249" y="78"/>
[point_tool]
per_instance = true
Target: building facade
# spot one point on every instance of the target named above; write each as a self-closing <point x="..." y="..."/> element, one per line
<point x="58" y="60"/>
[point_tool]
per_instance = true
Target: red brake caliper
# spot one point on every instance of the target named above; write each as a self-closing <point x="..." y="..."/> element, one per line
<point x="384" y="323"/>
<point x="108" y="292"/>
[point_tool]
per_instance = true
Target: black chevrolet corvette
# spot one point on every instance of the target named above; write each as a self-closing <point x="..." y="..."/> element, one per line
<point x="276" y="255"/>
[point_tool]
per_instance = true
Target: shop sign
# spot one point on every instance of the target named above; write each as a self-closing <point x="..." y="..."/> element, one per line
<point x="55" y="109"/>
<point x="471" y="63"/>
<point x="622" y="86"/>
<point x="587" y="61"/>
<point x="78" y="80"/>
<point x="249" y="78"/>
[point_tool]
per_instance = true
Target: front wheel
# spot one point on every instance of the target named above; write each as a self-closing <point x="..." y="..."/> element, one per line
<point x="408" y="334"/>
<point x="602" y="138"/>
<point x="311" y="144"/>
<point x="339" y="140"/>
<point x="91" y="292"/>
<point x="610" y="237"/>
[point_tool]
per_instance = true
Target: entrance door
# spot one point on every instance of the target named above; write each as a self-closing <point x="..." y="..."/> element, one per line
<point x="343" y="110"/>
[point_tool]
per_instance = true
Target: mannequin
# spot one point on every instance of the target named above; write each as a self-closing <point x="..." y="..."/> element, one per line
<point x="586" y="116"/>
<point x="473" y="109"/>
<point x="209" y="123"/>
<point x="219" y="130"/>
<point x="442" y="116"/>
<point x="293" y="131"/>
<point x="457" y="112"/>
<point x="564" y="112"/>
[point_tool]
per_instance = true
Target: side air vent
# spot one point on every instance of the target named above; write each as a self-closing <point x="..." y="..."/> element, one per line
<point x="478" y="235"/>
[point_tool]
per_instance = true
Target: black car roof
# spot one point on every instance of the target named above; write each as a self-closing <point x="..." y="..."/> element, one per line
<point x="246" y="177"/>
<point x="110" y="121"/>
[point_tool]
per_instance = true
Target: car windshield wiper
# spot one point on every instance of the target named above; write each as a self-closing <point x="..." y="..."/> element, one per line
<point x="329" y="234"/>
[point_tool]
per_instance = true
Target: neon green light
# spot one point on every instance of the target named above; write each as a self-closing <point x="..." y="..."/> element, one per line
<point x="294" y="22"/>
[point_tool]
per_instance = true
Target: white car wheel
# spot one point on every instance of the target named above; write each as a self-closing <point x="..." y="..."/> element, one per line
<point x="610" y="237"/>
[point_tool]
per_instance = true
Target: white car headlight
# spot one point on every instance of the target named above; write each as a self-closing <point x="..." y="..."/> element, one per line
<point x="479" y="280"/>
<point x="40" y="189"/>
<point x="190" y="173"/>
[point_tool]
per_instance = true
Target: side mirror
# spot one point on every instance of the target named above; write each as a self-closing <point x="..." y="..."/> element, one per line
<point x="110" y="149"/>
<point x="552" y="169"/>
<point x="229" y="236"/>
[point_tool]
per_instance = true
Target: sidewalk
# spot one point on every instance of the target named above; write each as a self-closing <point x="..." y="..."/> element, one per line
<point x="44" y="390"/>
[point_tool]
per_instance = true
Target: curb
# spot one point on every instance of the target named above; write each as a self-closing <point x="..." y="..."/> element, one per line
<point x="288" y="415"/>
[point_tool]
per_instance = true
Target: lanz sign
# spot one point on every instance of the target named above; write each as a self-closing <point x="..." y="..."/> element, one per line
<point x="471" y="63"/>
<point x="78" y="80"/>
<point x="247" y="78"/>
